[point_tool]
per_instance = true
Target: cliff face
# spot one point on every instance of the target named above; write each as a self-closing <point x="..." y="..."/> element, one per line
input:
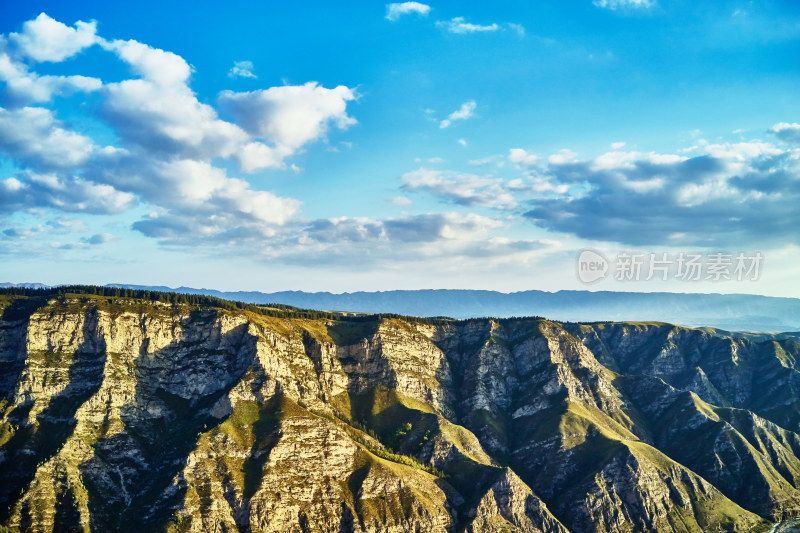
<point x="119" y="415"/>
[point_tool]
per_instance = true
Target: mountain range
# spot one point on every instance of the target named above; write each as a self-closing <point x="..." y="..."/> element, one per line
<point x="139" y="411"/>
<point x="733" y="312"/>
<point x="745" y="312"/>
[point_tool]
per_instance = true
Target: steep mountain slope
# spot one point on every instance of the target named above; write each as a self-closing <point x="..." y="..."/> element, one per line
<point x="122" y="414"/>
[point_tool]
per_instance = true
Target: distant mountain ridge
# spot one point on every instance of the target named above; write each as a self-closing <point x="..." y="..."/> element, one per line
<point x="734" y="312"/>
<point x="730" y="312"/>
<point x="23" y="286"/>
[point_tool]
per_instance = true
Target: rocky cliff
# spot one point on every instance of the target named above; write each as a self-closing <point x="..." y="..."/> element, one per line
<point x="121" y="414"/>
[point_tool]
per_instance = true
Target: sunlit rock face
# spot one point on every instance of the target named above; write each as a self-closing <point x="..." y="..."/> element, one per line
<point x="124" y="415"/>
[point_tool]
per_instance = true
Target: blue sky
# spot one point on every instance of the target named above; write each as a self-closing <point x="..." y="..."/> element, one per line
<point x="372" y="146"/>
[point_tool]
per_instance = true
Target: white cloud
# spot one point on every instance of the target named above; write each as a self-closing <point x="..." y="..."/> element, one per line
<point x="742" y="151"/>
<point x="462" y="142"/>
<point x="46" y="39"/>
<point x="466" y="111"/>
<point x="290" y="116"/>
<point x="726" y="194"/>
<point x="562" y="157"/>
<point x="395" y="10"/>
<point x="543" y="186"/>
<point x="242" y="69"/>
<point x="168" y="143"/>
<point x="458" y="188"/>
<point x="351" y="242"/>
<point x="193" y="188"/>
<point x="33" y="137"/>
<point x="11" y="186"/>
<point x="400" y="200"/>
<point x="254" y="156"/>
<point x="730" y="194"/>
<point x="160" y="113"/>
<point x="487" y="190"/>
<point x="522" y="158"/>
<point x="618" y="159"/>
<point x="24" y="87"/>
<point x="169" y="120"/>
<point x="458" y="25"/>
<point x="624" y="4"/>
<point x="153" y="64"/>
<point x="617" y="145"/>
<point x="787" y="132"/>
<point x="397" y="241"/>
<point x="65" y="193"/>
<point x="412" y="230"/>
<point x="439" y="226"/>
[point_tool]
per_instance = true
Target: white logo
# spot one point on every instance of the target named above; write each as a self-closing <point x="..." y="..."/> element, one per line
<point x="592" y="266"/>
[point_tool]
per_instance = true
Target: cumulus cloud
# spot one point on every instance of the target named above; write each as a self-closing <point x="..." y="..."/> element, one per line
<point x="234" y="216"/>
<point x="438" y="226"/>
<point x="202" y="197"/>
<point x="466" y="111"/>
<point x="242" y="69"/>
<point x="46" y="39"/>
<point x="290" y="116"/>
<point x="728" y="195"/>
<point x="787" y="132"/>
<point x="24" y="87"/>
<point x="169" y="144"/>
<point x="458" y="188"/>
<point x="405" y="239"/>
<point x="624" y="4"/>
<point x="169" y="121"/>
<point x="520" y="157"/>
<point x="65" y="193"/>
<point x="172" y="155"/>
<point x="153" y="64"/>
<point x="34" y="138"/>
<point x="352" y="242"/>
<point x="563" y="156"/>
<point x="160" y="115"/>
<point x="459" y="25"/>
<point x="396" y="10"/>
